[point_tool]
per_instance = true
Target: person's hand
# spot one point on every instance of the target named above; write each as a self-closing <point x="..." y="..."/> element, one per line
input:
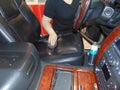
<point x="83" y="30"/>
<point x="52" y="39"/>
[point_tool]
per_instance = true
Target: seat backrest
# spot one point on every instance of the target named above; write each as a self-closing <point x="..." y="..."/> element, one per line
<point x="22" y="23"/>
<point x="6" y="34"/>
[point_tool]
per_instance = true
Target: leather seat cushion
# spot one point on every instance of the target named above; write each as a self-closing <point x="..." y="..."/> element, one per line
<point x="66" y="44"/>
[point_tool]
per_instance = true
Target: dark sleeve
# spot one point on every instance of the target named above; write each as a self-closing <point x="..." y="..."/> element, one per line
<point x="49" y="9"/>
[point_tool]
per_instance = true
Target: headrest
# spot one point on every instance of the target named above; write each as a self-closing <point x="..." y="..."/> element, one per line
<point x="8" y="8"/>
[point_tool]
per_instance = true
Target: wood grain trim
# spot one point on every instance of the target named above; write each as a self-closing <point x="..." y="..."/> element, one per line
<point x="86" y="80"/>
<point x="108" y="41"/>
<point x="82" y="79"/>
<point x="46" y="78"/>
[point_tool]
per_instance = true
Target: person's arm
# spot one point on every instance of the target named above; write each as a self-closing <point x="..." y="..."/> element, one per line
<point x="48" y="27"/>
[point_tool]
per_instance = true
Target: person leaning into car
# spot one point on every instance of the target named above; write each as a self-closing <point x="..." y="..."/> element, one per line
<point x="62" y="13"/>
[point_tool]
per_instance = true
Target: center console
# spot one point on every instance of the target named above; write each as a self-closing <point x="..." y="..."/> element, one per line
<point x="104" y="76"/>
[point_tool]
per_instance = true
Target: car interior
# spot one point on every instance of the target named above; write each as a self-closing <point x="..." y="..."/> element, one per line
<point x="27" y="62"/>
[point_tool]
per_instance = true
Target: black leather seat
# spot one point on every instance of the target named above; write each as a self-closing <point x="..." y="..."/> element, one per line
<point x="19" y="63"/>
<point x="18" y="24"/>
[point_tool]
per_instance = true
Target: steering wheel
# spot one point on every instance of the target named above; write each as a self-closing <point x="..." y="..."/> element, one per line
<point x="81" y="13"/>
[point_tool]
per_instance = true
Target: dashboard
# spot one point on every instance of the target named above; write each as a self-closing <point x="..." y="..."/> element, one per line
<point x="108" y="1"/>
<point x="108" y="69"/>
<point x="111" y="2"/>
<point x="105" y="11"/>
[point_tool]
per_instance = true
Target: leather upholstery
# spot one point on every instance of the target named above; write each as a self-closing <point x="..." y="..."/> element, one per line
<point x="20" y="19"/>
<point x="18" y="24"/>
<point x="69" y="50"/>
<point x="18" y="65"/>
<point x="6" y="34"/>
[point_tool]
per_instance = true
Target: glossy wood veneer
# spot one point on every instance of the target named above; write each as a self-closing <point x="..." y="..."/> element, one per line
<point x="108" y="41"/>
<point x="82" y="79"/>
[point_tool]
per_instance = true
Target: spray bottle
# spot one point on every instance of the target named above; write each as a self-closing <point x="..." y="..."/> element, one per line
<point x="92" y="53"/>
